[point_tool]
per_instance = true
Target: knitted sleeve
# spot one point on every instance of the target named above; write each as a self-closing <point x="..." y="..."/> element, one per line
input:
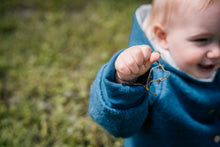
<point x="120" y="109"/>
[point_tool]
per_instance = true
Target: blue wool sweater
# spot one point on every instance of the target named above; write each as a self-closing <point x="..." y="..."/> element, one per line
<point x="185" y="112"/>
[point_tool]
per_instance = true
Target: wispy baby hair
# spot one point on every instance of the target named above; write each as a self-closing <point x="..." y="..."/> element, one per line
<point x="163" y="11"/>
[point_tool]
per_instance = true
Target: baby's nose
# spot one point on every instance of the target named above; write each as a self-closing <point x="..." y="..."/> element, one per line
<point x="214" y="52"/>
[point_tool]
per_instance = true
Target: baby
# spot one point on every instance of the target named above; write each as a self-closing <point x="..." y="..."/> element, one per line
<point x="186" y="108"/>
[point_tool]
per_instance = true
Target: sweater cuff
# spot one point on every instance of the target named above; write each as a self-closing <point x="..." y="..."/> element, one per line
<point x="119" y="96"/>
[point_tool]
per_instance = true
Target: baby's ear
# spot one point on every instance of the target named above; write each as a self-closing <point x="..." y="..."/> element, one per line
<point x="160" y="35"/>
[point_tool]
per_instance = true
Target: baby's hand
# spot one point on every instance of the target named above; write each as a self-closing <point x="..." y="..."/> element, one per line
<point x="134" y="62"/>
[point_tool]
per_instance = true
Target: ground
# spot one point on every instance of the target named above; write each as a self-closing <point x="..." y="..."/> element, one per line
<point x="50" y="52"/>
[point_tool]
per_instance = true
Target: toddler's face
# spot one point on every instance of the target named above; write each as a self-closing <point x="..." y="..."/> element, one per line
<point x="193" y="40"/>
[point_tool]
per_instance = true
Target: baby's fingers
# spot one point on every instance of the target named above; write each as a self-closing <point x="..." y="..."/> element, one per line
<point x="121" y="66"/>
<point x="131" y="65"/>
<point x="126" y="65"/>
<point x="140" y="54"/>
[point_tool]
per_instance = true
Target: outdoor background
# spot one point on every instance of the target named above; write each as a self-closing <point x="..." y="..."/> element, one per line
<point x="50" y="52"/>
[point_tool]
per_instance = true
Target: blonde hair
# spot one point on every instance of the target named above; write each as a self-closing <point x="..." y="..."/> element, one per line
<point x="164" y="10"/>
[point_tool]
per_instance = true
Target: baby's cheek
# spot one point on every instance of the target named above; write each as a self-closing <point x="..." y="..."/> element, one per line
<point x="193" y="61"/>
<point x="186" y="63"/>
<point x="193" y="57"/>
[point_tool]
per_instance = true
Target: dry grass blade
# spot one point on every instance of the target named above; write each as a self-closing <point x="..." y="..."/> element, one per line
<point x="149" y="81"/>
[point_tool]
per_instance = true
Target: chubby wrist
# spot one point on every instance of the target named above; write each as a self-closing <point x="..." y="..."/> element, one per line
<point x="120" y="80"/>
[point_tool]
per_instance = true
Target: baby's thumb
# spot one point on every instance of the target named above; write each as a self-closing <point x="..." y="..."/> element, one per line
<point x="155" y="56"/>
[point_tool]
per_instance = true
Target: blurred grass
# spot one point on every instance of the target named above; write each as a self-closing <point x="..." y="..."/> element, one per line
<point x="50" y="52"/>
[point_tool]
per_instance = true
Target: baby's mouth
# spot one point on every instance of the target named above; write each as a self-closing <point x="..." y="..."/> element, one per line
<point x="206" y="68"/>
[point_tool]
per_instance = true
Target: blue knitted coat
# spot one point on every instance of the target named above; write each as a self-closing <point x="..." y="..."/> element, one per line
<point x="184" y="113"/>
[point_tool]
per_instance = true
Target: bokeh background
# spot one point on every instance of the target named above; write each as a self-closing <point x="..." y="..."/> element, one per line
<point x="50" y="52"/>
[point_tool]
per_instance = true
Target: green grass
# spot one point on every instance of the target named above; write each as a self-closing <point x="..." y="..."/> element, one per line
<point x="50" y="52"/>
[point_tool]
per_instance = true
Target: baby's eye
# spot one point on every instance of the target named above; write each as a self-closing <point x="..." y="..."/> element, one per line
<point x="202" y="40"/>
